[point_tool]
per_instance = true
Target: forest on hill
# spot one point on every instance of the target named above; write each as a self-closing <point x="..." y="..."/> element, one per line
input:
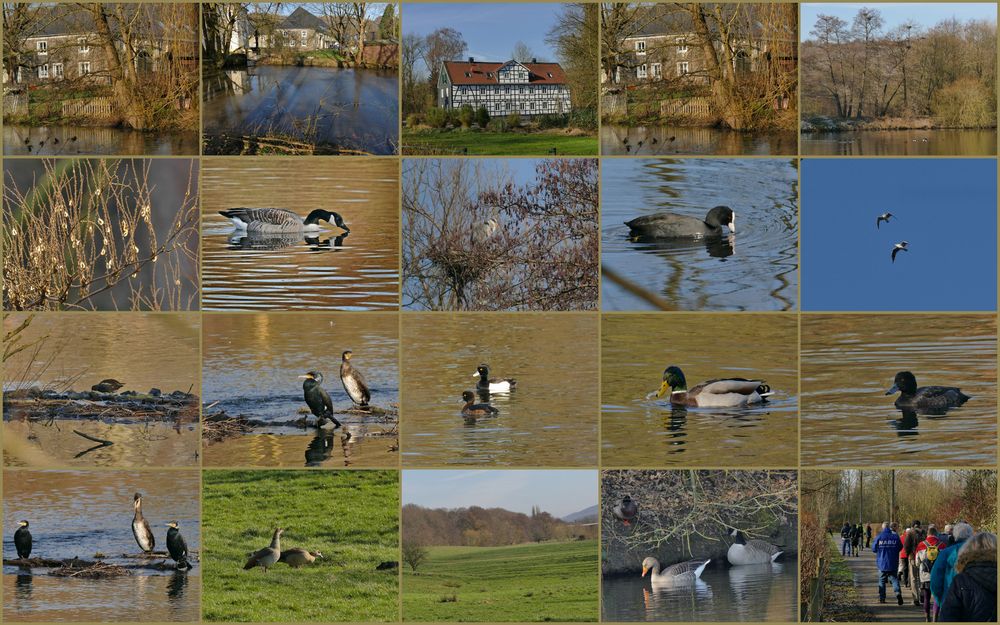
<point x="488" y="527"/>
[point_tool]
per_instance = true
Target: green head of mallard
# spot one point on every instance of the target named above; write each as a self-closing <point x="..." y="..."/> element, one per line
<point x="673" y="380"/>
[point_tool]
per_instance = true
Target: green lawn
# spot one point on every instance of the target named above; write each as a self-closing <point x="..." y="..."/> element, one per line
<point x="486" y="143"/>
<point x="352" y="517"/>
<point x="544" y="582"/>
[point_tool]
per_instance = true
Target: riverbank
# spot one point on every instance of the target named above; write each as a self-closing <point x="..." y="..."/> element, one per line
<point x="376" y="56"/>
<point x="830" y="124"/>
<point x="424" y="140"/>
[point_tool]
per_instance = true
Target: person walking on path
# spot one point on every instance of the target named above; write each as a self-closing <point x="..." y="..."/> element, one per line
<point x="944" y="569"/>
<point x="948" y="539"/>
<point x="927" y="554"/>
<point x="845" y="539"/>
<point x="886" y="548"/>
<point x="972" y="595"/>
<point x="868" y="536"/>
<point x="904" y="569"/>
<point x="913" y="538"/>
<point x="856" y="540"/>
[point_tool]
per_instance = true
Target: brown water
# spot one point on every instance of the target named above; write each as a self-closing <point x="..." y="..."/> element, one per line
<point x="144" y="350"/>
<point x="75" y="140"/>
<point x="636" y="348"/>
<point x="550" y="419"/>
<point x="251" y="368"/>
<point x="901" y="143"/>
<point x="677" y="140"/>
<point x="79" y="514"/>
<point x="327" y="272"/>
<point x="848" y="363"/>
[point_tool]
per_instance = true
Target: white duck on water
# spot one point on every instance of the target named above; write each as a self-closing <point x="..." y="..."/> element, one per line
<point x="261" y="220"/>
<point x="753" y="551"/>
<point x="680" y="573"/>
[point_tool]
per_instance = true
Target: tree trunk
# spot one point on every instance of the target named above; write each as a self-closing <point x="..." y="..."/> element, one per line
<point x="124" y="82"/>
<point x="722" y="88"/>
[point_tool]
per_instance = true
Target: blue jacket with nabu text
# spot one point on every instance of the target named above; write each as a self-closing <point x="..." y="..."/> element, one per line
<point x="886" y="547"/>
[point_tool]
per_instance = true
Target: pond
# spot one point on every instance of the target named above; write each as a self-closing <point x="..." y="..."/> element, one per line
<point x="637" y="431"/>
<point x="549" y="419"/>
<point x="60" y="140"/>
<point x="655" y="140"/>
<point x="328" y="270"/>
<point x="251" y="368"/>
<point x="756" y="593"/>
<point x="848" y="364"/>
<point x="330" y="108"/>
<point x="901" y="143"/>
<point x="82" y="514"/>
<point x="754" y="269"/>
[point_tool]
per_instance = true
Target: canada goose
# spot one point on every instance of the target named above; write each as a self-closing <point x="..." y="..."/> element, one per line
<point x="626" y="510"/>
<point x="901" y="246"/>
<point x="108" y="385"/>
<point x="177" y="546"/>
<point x="22" y="540"/>
<point x="297" y="557"/>
<point x="354" y="383"/>
<point x="883" y="217"/>
<point x="280" y="220"/>
<point x="926" y="397"/>
<point x="680" y="573"/>
<point x="670" y="226"/>
<point x="476" y="410"/>
<point x="318" y="399"/>
<point x="493" y="385"/>
<point x="267" y="556"/>
<point x="719" y="393"/>
<point x="140" y="527"/>
<point x="754" y="551"/>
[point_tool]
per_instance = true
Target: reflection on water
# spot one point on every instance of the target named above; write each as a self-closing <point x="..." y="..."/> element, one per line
<point x="251" y="368"/>
<point x="334" y="108"/>
<point x="81" y="514"/>
<point x="765" y="592"/>
<point x="654" y="140"/>
<point x="901" y="143"/>
<point x="754" y="269"/>
<point x="848" y="363"/>
<point x="328" y="271"/>
<point x="73" y="140"/>
<point x="640" y="431"/>
<point x="549" y="419"/>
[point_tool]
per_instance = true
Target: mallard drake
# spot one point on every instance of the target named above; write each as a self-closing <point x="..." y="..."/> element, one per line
<point x="297" y="557"/>
<point x="626" y="510"/>
<point x="266" y="557"/>
<point x="22" y="540"/>
<point x="177" y="546"/>
<point x="280" y="220"/>
<point x="680" y="573"/>
<point x="754" y="551"/>
<point x="669" y="225"/>
<point x="140" y="527"/>
<point x="476" y="410"/>
<point x="925" y="397"/>
<point x="108" y="385"/>
<point x="354" y="383"/>
<point x="720" y="393"/>
<point x="318" y="399"/>
<point x="493" y="385"/>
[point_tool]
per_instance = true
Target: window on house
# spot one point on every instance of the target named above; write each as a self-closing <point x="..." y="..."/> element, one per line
<point x="57" y="70"/>
<point x="640" y="47"/>
<point x="83" y="46"/>
<point x="682" y="47"/>
<point x="43" y="71"/>
<point x="42" y="47"/>
<point x="83" y="68"/>
<point x="682" y="68"/>
<point x="656" y="70"/>
<point x="641" y="72"/>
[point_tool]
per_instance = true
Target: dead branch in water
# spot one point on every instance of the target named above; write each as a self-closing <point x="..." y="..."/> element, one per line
<point x="97" y="570"/>
<point x="103" y="443"/>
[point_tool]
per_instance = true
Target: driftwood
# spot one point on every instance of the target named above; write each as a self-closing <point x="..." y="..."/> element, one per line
<point x="103" y="443"/>
<point x="48" y="405"/>
<point x="220" y="426"/>
<point x="97" y="570"/>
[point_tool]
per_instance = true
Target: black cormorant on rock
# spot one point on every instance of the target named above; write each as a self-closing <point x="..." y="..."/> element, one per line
<point x="22" y="541"/>
<point x="177" y="547"/>
<point x="318" y="399"/>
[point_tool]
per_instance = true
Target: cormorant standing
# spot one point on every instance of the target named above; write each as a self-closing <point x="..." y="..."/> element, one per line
<point x="140" y="527"/>
<point x="177" y="547"/>
<point x="354" y="382"/>
<point x="317" y="398"/>
<point x="22" y="541"/>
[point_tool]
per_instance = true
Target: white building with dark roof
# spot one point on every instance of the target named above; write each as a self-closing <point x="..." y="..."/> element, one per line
<point x="504" y="88"/>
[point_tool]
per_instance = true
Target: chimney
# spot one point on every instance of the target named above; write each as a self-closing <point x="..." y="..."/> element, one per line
<point x="472" y="60"/>
<point x="534" y="60"/>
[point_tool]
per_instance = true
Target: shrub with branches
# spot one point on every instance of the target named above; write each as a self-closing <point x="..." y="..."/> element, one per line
<point x="91" y="234"/>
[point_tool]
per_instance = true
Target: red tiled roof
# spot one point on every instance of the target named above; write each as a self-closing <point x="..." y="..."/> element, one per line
<point x="486" y="73"/>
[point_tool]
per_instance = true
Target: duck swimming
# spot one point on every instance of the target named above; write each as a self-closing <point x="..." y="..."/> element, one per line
<point x="754" y="551"/>
<point x="476" y="410"/>
<point x="280" y="220"/>
<point x="493" y="385"/>
<point x="669" y="225"/>
<point x="720" y="393"/>
<point x="925" y="397"/>
<point x="680" y="573"/>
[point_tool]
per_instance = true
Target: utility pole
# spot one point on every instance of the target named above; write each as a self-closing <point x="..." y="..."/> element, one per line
<point x="861" y="497"/>
<point x="892" y="496"/>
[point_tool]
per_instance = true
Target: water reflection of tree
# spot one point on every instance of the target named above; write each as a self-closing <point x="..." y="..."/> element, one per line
<point x="540" y="253"/>
<point x="89" y="234"/>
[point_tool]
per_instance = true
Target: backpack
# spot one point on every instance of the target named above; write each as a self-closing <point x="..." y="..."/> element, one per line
<point x="932" y="552"/>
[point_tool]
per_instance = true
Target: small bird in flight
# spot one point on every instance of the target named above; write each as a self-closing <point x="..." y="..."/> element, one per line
<point x="899" y="246"/>
<point x="883" y="217"/>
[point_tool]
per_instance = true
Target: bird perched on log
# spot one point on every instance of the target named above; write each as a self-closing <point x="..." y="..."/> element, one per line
<point x="177" y="546"/>
<point x="140" y="527"/>
<point x="22" y="541"/>
<point x="354" y="383"/>
<point x="318" y="399"/>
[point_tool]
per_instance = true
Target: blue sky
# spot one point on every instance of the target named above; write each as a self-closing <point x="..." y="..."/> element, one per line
<point x="491" y="30"/>
<point x="894" y="14"/>
<point x="557" y="492"/>
<point x="944" y="208"/>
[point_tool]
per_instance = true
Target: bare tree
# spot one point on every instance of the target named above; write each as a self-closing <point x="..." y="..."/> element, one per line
<point x="359" y="22"/>
<point x="444" y="44"/>
<point x="414" y="555"/>
<point x="522" y="53"/>
<point x="575" y="38"/>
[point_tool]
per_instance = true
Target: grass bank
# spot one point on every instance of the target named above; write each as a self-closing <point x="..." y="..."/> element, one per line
<point x="536" y="582"/>
<point x="352" y="517"/>
<point x="489" y="143"/>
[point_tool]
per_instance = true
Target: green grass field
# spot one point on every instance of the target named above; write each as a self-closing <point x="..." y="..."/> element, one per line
<point x="352" y="517"/>
<point x="544" y="582"/>
<point x="497" y="143"/>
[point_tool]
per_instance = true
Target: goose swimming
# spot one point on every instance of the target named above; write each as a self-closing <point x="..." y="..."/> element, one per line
<point x="280" y="220"/>
<point x="753" y="551"/>
<point x="680" y="573"/>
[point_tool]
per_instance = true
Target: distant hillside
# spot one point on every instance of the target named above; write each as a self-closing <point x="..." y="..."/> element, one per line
<point x="587" y="515"/>
<point x="486" y="527"/>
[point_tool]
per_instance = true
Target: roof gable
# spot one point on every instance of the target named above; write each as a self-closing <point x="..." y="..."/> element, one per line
<point x="485" y="73"/>
<point x="301" y="18"/>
